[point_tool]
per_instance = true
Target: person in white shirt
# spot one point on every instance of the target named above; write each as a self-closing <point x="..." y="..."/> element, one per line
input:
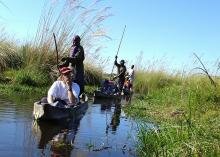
<point x="131" y="74"/>
<point x="64" y="89"/>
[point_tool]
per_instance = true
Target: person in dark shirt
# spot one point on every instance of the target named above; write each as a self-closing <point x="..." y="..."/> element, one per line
<point x="121" y="73"/>
<point x="76" y="59"/>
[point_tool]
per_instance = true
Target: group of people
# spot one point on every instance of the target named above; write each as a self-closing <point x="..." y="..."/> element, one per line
<point x="125" y="78"/>
<point x="70" y="85"/>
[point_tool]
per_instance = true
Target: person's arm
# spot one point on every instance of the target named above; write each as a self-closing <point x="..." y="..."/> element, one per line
<point x="50" y="99"/>
<point x="122" y="72"/>
<point x="71" y="97"/>
<point x="116" y="63"/>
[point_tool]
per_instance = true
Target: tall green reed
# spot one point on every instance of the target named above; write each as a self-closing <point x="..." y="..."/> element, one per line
<point x="9" y="58"/>
<point x="186" y="109"/>
<point x="67" y="20"/>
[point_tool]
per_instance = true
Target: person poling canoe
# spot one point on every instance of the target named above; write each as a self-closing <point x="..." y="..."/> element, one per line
<point x="121" y="68"/>
<point x="75" y="60"/>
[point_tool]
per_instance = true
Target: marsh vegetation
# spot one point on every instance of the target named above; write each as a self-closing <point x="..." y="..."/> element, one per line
<point x="185" y="107"/>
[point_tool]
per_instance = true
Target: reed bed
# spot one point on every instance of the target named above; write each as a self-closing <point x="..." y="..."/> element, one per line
<point x="36" y="60"/>
<point x="9" y="58"/>
<point x="185" y="111"/>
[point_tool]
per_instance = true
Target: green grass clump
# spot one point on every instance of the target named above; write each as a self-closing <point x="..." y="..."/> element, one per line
<point x="90" y="89"/>
<point x="176" y="141"/>
<point x="22" y="91"/>
<point x="186" y="109"/>
<point x="9" y="58"/>
<point x="28" y="77"/>
<point x="147" y="81"/>
<point x="93" y="74"/>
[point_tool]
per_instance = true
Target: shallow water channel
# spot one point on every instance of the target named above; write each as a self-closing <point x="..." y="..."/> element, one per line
<point x="104" y="130"/>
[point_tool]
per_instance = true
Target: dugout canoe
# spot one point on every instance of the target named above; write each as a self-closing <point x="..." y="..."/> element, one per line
<point x="44" y="111"/>
<point x="101" y="95"/>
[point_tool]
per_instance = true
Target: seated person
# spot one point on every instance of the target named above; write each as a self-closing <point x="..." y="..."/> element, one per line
<point x="104" y="85"/>
<point x="108" y="87"/>
<point x="64" y="89"/>
<point x="127" y="87"/>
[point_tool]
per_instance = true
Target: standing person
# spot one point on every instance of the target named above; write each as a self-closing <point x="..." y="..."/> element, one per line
<point x="64" y="89"/>
<point x="77" y="56"/>
<point x="121" y="73"/>
<point x="131" y="74"/>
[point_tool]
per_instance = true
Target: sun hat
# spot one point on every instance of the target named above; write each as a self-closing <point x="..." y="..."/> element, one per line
<point x="65" y="70"/>
<point x="122" y="61"/>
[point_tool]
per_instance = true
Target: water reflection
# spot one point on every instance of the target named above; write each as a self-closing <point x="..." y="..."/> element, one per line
<point x="107" y="105"/>
<point x="115" y="120"/>
<point x="104" y="130"/>
<point x="58" y="135"/>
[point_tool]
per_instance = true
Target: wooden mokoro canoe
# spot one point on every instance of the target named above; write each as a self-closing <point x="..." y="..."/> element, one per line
<point x="99" y="94"/>
<point x="44" y="111"/>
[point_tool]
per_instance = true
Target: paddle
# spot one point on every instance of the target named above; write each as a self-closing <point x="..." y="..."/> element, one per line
<point x="55" y="41"/>
<point x="118" y="51"/>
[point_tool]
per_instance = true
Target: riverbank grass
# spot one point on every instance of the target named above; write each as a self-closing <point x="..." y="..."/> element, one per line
<point x="185" y="111"/>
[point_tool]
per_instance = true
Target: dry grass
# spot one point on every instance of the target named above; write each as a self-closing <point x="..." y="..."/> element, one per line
<point x="9" y="57"/>
<point x="74" y="17"/>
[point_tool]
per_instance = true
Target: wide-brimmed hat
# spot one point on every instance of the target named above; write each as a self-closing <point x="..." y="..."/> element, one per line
<point x="65" y="70"/>
<point x="122" y="61"/>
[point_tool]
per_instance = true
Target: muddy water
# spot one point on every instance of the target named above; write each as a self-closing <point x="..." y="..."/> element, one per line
<point x="104" y="130"/>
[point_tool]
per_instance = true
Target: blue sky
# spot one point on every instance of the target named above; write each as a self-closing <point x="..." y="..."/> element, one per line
<point x="166" y="30"/>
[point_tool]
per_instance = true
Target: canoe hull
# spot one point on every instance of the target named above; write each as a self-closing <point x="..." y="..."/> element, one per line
<point x="99" y="94"/>
<point x="48" y="112"/>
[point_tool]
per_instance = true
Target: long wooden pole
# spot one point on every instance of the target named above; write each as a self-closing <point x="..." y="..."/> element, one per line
<point x="55" y="41"/>
<point x="118" y="50"/>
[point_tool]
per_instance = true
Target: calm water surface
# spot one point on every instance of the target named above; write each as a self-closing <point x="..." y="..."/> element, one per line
<point x="104" y="130"/>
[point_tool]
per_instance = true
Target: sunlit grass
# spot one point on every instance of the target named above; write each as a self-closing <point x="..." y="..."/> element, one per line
<point x="34" y="63"/>
<point x="186" y="109"/>
<point x="9" y="58"/>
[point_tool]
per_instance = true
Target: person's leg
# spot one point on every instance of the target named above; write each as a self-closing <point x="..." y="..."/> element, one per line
<point x="81" y="86"/>
<point x="121" y="83"/>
